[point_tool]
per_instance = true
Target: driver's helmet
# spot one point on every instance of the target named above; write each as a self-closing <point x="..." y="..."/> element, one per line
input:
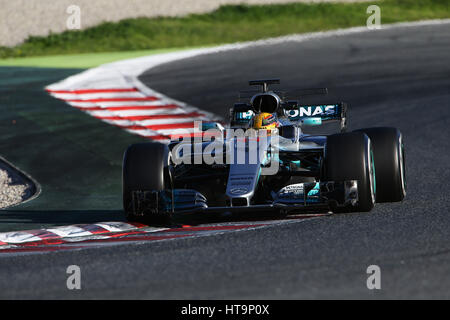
<point x="264" y="120"/>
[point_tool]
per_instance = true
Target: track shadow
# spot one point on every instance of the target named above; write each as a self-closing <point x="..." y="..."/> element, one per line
<point x="198" y="218"/>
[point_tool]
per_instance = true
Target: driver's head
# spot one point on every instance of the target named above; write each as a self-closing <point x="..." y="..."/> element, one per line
<point x="265" y="121"/>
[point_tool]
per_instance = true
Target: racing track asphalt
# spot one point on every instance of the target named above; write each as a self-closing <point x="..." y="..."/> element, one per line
<point x="398" y="77"/>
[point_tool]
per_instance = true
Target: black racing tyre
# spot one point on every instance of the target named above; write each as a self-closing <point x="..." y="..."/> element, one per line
<point x="349" y="156"/>
<point x="389" y="156"/>
<point x="145" y="168"/>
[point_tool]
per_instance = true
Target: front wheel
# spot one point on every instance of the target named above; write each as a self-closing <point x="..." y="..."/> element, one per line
<point x="145" y="170"/>
<point x="349" y="156"/>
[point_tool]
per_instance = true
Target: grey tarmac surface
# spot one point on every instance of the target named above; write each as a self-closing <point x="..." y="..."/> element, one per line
<point x="394" y="77"/>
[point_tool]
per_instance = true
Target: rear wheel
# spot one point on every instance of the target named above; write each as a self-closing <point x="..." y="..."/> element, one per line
<point x="349" y="156"/>
<point x="145" y="168"/>
<point x="389" y="158"/>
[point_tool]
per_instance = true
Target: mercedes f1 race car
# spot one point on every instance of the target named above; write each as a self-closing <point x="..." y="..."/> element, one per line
<point x="266" y="158"/>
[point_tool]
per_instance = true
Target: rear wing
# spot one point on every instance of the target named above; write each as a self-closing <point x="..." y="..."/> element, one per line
<point x="316" y="114"/>
<point x="242" y="113"/>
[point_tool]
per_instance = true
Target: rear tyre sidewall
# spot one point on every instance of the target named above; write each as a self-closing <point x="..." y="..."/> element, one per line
<point x="390" y="162"/>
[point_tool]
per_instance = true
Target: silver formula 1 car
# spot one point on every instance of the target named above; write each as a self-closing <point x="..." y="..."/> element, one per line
<point x="265" y="160"/>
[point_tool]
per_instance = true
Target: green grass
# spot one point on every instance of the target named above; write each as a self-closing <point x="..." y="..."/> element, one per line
<point x="226" y="25"/>
<point x="80" y="60"/>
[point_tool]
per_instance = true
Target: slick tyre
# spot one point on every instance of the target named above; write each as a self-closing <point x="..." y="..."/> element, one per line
<point x="145" y="168"/>
<point x="349" y="156"/>
<point x="389" y="155"/>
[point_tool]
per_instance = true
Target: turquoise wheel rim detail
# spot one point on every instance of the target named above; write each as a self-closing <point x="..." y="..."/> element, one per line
<point x="374" y="181"/>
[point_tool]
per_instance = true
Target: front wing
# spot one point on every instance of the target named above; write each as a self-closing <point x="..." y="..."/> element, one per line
<point x="298" y="198"/>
